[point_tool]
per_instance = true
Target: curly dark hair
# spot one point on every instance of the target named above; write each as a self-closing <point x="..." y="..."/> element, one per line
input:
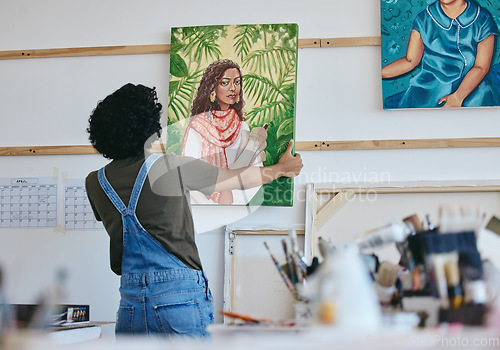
<point x="122" y="124"/>
<point x="211" y="77"/>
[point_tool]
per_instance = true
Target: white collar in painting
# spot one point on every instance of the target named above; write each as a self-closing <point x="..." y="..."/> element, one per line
<point x="465" y="19"/>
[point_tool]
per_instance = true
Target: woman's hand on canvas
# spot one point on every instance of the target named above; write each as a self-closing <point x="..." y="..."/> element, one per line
<point x="290" y="165"/>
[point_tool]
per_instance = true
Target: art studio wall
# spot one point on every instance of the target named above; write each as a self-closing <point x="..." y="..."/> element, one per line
<point x="47" y="101"/>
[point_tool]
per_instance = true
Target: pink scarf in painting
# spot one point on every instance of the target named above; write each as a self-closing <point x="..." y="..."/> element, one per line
<point x="219" y="129"/>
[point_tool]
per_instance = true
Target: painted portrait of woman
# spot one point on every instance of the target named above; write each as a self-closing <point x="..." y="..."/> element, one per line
<point x="232" y="96"/>
<point x="450" y="57"/>
<point x="217" y="132"/>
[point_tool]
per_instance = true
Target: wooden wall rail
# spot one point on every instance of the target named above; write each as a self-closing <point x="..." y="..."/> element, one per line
<point x="398" y="144"/>
<point x="165" y="48"/>
<point x="299" y="146"/>
<point x="85" y="51"/>
<point x="266" y="232"/>
<point x="46" y="150"/>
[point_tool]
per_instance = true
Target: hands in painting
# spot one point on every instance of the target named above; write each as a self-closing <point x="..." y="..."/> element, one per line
<point x="259" y="135"/>
<point x="451" y="100"/>
<point x="474" y="76"/>
<point x="251" y="150"/>
<point x="248" y="177"/>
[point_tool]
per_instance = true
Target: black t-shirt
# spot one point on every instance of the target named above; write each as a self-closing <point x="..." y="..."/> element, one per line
<point x="162" y="209"/>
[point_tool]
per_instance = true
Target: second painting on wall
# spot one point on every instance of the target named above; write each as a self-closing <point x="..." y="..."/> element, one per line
<point x="232" y="92"/>
<point x="440" y="53"/>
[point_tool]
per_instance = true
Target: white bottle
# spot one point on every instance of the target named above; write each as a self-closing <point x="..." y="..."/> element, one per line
<point x="346" y="296"/>
<point x="328" y="292"/>
<point x="358" y="308"/>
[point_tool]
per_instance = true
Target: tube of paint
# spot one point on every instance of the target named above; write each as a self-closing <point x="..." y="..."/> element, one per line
<point x="395" y="232"/>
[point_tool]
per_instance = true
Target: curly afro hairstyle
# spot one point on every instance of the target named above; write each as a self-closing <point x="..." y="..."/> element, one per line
<point x="122" y="124"/>
<point x="211" y="77"/>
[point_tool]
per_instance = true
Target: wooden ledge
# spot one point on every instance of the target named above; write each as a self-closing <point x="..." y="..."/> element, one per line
<point x="164" y="48"/>
<point x="299" y="146"/>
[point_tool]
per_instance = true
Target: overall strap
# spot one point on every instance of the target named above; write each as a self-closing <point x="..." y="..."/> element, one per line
<point x="110" y="192"/>
<point x="139" y="182"/>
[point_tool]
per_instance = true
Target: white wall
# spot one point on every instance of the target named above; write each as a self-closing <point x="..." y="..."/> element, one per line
<point x="47" y="102"/>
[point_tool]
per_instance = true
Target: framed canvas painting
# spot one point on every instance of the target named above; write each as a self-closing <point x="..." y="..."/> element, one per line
<point x="232" y="91"/>
<point x="440" y="53"/>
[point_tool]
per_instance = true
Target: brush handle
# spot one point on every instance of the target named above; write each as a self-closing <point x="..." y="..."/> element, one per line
<point x="289" y="264"/>
<point x="286" y="279"/>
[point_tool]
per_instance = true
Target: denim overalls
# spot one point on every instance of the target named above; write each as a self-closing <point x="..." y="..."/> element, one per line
<point x="159" y="293"/>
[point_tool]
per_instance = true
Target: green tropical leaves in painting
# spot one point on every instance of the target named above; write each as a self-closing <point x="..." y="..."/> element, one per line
<point x="188" y="47"/>
<point x="272" y="83"/>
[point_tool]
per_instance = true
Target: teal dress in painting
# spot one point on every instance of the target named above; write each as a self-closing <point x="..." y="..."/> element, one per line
<point x="449" y="54"/>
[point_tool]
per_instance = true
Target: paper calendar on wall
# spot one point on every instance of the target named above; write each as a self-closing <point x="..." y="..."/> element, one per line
<point x="78" y="214"/>
<point x="28" y="202"/>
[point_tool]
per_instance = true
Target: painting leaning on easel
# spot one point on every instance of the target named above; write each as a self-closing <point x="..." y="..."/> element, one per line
<point x="231" y="102"/>
<point x="440" y="53"/>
